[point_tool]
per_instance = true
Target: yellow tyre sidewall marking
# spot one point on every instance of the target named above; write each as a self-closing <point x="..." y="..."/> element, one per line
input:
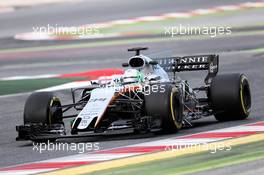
<point x="178" y="125"/>
<point x="243" y="78"/>
<point x="54" y="99"/>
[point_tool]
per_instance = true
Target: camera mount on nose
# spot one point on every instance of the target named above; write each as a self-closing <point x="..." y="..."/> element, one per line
<point x="137" y="50"/>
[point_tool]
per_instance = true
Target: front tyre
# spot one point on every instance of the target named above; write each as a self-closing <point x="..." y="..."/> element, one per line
<point x="167" y="106"/>
<point x="43" y="108"/>
<point x="230" y="97"/>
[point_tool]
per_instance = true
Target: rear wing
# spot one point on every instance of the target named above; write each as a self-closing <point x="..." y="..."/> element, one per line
<point x="191" y="63"/>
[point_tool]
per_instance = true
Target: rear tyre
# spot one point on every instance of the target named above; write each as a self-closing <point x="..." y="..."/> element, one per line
<point x="40" y="109"/>
<point x="230" y="97"/>
<point x="167" y="106"/>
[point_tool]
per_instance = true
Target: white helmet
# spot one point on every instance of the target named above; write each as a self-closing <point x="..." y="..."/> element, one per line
<point x="132" y="76"/>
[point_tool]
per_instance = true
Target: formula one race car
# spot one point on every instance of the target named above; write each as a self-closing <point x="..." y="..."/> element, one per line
<point x="148" y="97"/>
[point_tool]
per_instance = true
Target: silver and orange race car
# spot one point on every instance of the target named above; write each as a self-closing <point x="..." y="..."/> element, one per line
<point x="149" y="97"/>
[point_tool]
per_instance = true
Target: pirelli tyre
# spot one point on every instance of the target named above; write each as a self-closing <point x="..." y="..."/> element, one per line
<point x="230" y="97"/>
<point x="38" y="109"/>
<point x="166" y="104"/>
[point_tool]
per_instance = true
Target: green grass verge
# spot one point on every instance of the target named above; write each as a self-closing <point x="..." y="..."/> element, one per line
<point x="192" y="163"/>
<point x="256" y="50"/>
<point x="20" y="86"/>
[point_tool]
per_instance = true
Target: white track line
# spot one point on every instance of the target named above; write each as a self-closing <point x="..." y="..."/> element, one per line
<point x="30" y="77"/>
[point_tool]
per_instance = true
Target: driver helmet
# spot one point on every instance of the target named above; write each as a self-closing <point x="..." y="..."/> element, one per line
<point x="132" y="76"/>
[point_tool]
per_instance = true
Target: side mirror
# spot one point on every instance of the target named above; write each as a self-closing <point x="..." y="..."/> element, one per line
<point x="153" y="62"/>
<point x="125" y="64"/>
